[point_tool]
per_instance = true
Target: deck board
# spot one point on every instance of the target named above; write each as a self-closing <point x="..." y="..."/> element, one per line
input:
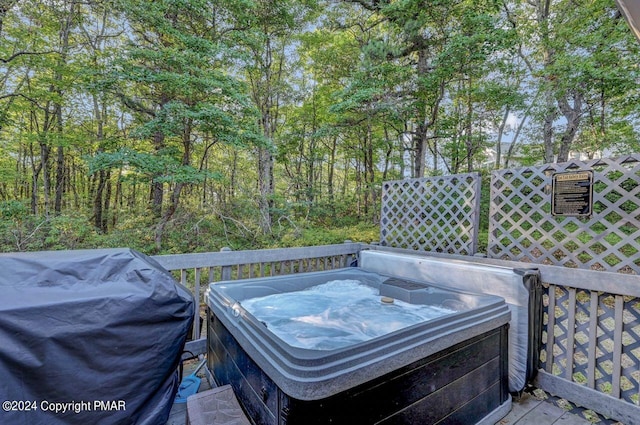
<point x="178" y="415"/>
<point x="543" y="414"/>
<point x="531" y="410"/>
<point x="520" y="408"/>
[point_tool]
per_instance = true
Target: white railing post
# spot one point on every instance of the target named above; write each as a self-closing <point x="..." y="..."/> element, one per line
<point x="349" y="257"/>
<point x="197" y="325"/>
<point x="225" y="273"/>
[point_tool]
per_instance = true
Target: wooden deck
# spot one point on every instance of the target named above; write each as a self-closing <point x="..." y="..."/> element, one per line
<point x="178" y="415"/>
<point x="533" y="408"/>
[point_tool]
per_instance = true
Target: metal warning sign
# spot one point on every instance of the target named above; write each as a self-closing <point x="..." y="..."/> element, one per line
<point x="572" y="193"/>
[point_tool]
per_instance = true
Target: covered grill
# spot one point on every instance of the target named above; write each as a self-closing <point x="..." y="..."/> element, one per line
<point x="91" y="336"/>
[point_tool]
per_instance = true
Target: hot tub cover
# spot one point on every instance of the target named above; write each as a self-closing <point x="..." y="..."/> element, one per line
<point x="520" y="288"/>
<point x="96" y="334"/>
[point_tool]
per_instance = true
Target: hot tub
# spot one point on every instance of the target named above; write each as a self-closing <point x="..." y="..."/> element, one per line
<point x="451" y="369"/>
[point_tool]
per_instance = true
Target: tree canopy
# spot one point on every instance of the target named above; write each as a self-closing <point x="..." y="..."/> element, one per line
<point x="163" y="123"/>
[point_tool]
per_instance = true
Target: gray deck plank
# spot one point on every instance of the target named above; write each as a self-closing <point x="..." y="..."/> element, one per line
<point x="520" y="408"/>
<point x="178" y="414"/>
<point x="543" y="414"/>
<point x="569" y="419"/>
<point x="533" y="410"/>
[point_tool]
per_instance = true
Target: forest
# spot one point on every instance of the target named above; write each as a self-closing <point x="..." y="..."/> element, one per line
<point x="175" y="126"/>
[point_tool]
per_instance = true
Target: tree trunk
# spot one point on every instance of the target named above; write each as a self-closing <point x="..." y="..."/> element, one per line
<point x="370" y="176"/>
<point x="547" y="128"/>
<point x="62" y="61"/>
<point x="330" y="174"/>
<point x="107" y="200"/>
<point x="311" y="174"/>
<point x="157" y="188"/>
<point x="234" y="173"/>
<point x="265" y="187"/>
<point x="388" y="153"/>
<point x="573" y="115"/>
<point x="174" y="199"/>
<point x="46" y="182"/>
<point x="470" y="145"/>
<point x="117" y="199"/>
<point x="266" y="96"/>
<point x="419" y="149"/>
<point x="98" y="220"/>
<point x="35" y="175"/>
<point x="60" y="181"/>
<point x="97" y="201"/>
<point x="500" y="134"/>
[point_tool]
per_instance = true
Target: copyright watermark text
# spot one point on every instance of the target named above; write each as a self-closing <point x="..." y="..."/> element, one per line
<point x="63" y="407"/>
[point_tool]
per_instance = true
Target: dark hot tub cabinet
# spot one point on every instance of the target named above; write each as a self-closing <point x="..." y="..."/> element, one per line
<point x="452" y="369"/>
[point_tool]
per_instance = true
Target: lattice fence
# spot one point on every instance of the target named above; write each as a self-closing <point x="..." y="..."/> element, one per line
<point x="591" y="338"/>
<point x="437" y="214"/>
<point x="601" y="333"/>
<point x="521" y="226"/>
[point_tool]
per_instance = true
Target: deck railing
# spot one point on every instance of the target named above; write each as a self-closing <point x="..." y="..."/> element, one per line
<point x="194" y="269"/>
<point x="591" y="346"/>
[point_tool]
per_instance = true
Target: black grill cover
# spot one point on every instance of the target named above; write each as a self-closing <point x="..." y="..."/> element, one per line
<point x="99" y="331"/>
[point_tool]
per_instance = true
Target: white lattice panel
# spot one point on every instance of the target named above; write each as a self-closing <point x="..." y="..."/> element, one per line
<point x="437" y="214"/>
<point x="521" y="226"/>
<point x="595" y="340"/>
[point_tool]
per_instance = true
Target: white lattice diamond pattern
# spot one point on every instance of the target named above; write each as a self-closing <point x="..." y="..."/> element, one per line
<point x="606" y="368"/>
<point x="521" y="226"/>
<point x="437" y="214"/>
<point x="631" y="350"/>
